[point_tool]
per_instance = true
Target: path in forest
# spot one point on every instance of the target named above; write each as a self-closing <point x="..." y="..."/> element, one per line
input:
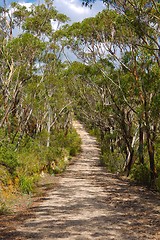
<point x="89" y="203"/>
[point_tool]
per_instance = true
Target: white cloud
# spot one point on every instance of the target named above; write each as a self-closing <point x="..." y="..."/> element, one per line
<point x="26" y="4"/>
<point x="75" y="10"/>
<point x="72" y="8"/>
<point x="73" y="5"/>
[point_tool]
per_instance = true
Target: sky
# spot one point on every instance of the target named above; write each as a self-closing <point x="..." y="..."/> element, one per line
<point x="75" y="10"/>
<point x="72" y="8"/>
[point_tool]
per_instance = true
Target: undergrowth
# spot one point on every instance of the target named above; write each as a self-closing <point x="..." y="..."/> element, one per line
<point x="114" y="158"/>
<point x="20" y="170"/>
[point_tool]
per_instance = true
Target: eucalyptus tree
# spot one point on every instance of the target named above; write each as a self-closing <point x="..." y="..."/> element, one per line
<point x="88" y="41"/>
<point x="143" y="19"/>
<point x="30" y="69"/>
<point x="129" y="38"/>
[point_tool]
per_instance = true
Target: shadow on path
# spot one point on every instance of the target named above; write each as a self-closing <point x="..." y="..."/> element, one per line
<point x="89" y="203"/>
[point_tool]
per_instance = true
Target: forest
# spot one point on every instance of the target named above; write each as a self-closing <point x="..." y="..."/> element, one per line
<point x="112" y="86"/>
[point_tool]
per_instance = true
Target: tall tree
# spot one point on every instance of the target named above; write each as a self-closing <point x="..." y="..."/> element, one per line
<point x="118" y="35"/>
<point x="31" y="83"/>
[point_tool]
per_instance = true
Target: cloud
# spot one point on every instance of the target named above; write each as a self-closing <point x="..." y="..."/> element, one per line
<point x="26" y="4"/>
<point x="71" y="8"/>
<point x="75" y="10"/>
<point x="8" y="2"/>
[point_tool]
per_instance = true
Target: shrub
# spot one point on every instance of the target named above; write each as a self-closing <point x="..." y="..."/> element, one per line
<point x="73" y="142"/>
<point x="61" y="164"/>
<point x="23" y="167"/>
<point x="5" y="176"/>
<point x="29" y="163"/>
<point x="112" y="161"/>
<point x="8" y="158"/>
<point x="28" y="170"/>
<point x="158" y="183"/>
<point x="26" y="184"/>
<point x="3" y="208"/>
<point x="141" y="174"/>
<point x="70" y="141"/>
<point x="58" y="156"/>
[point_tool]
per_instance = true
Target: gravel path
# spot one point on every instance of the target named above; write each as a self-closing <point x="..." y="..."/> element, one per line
<point x="89" y="203"/>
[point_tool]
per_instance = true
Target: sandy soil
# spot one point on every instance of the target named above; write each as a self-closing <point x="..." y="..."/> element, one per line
<point x="88" y="203"/>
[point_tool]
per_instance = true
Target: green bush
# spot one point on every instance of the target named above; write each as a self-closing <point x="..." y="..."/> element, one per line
<point x="70" y="141"/>
<point x="29" y="163"/>
<point x="8" y="158"/>
<point x="27" y="184"/>
<point x="112" y="161"/>
<point x="141" y="174"/>
<point x="28" y="171"/>
<point x="3" y="208"/>
<point x="5" y="176"/>
<point x="23" y="167"/>
<point x="73" y="142"/>
<point x="58" y="156"/>
<point x="158" y="183"/>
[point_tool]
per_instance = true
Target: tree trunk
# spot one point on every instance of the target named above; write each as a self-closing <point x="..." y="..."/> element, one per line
<point x="152" y="161"/>
<point x="129" y="161"/>
<point x="111" y="140"/>
<point x="150" y="148"/>
<point x="49" y="126"/>
<point x="141" y="143"/>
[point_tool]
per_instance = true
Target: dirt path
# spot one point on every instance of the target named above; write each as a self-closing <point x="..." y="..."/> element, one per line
<point x="89" y="203"/>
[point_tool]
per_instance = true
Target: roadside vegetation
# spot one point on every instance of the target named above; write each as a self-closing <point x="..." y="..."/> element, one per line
<point x="21" y="170"/>
<point x="36" y="133"/>
<point x="113" y="87"/>
<point x="119" y="80"/>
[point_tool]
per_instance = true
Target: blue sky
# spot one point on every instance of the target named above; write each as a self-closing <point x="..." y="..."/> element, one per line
<point x="75" y="10"/>
<point x="72" y="8"/>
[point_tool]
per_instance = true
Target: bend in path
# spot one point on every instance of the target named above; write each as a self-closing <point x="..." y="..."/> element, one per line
<point x="89" y="203"/>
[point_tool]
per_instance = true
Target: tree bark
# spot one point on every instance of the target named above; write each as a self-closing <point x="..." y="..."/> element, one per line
<point x="141" y="143"/>
<point x="151" y="151"/>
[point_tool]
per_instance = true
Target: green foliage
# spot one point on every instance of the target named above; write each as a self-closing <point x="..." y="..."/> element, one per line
<point x="158" y="168"/>
<point x="5" y="176"/>
<point x="3" y="208"/>
<point x="26" y="184"/>
<point x="140" y="173"/>
<point x="113" y="161"/>
<point x="94" y="132"/>
<point x="34" y="107"/>
<point x="63" y="146"/>
<point x="24" y="166"/>
<point x="70" y="141"/>
<point x="8" y="157"/>
<point x="61" y="162"/>
<point x="19" y="47"/>
<point x="115" y="90"/>
<point x="29" y="163"/>
<point x="123" y="97"/>
<point x="158" y="183"/>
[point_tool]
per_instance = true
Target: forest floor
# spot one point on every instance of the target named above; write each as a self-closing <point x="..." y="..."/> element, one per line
<point x="86" y="202"/>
